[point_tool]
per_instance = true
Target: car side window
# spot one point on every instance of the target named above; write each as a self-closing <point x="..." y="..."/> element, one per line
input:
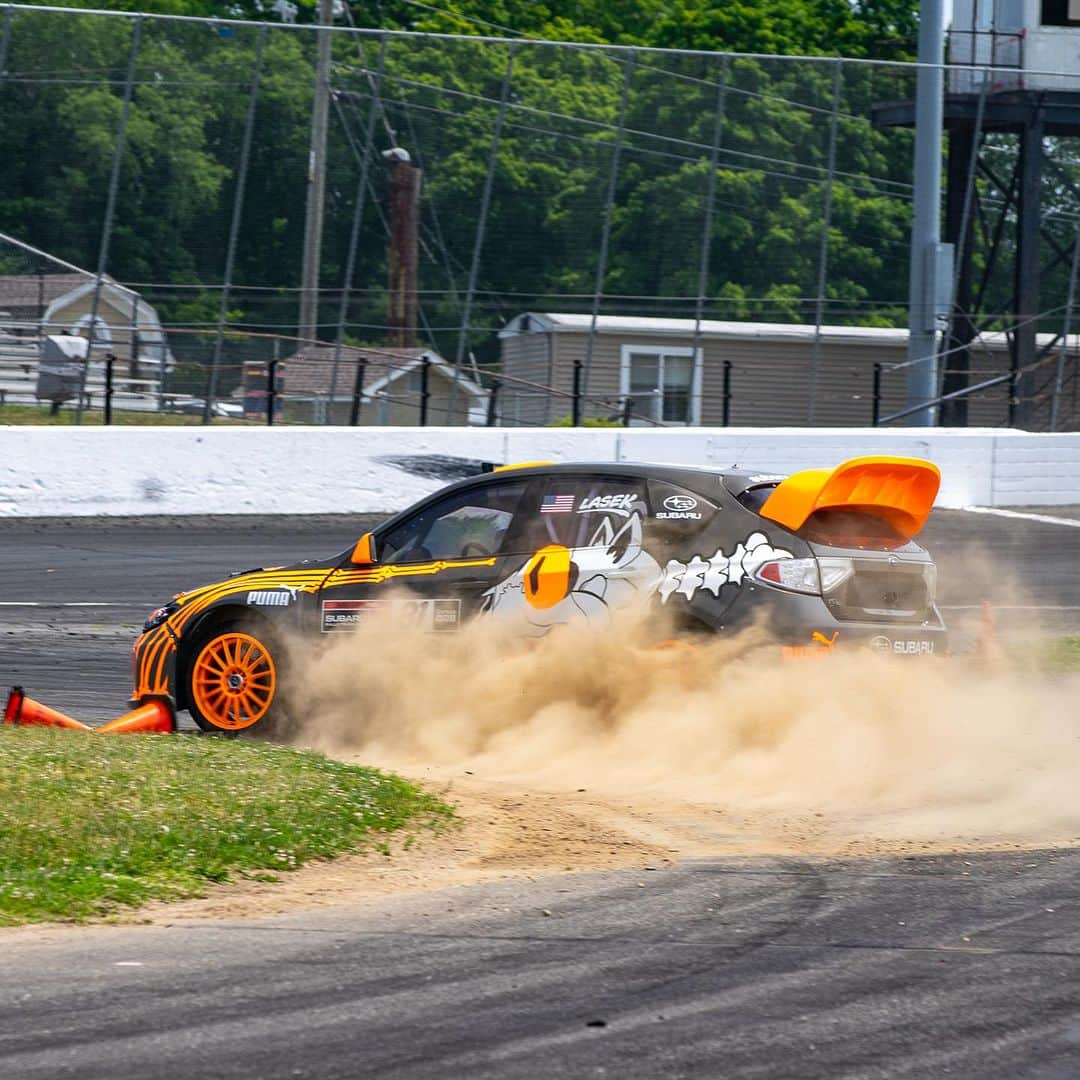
<point x="583" y="511"/>
<point x="469" y="525"/>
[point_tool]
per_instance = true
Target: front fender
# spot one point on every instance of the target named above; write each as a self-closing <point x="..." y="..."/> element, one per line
<point x="263" y="593"/>
<point x="154" y="662"/>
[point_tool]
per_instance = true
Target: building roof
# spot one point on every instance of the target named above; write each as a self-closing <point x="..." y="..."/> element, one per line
<point x="30" y="290"/>
<point x="151" y="333"/>
<point x="645" y="326"/>
<point x="309" y="371"/>
<point x="531" y="322"/>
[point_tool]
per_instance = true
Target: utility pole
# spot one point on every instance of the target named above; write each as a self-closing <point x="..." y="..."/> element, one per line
<point x="403" y="253"/>
<point x="926" y="248"/>
<point x="316" y="185"/>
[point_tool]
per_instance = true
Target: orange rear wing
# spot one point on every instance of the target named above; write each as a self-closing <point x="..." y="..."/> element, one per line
<point x="898" y="490"/>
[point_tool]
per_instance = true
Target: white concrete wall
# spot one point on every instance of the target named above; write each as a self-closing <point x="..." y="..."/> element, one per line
<point x="64" y="471"/>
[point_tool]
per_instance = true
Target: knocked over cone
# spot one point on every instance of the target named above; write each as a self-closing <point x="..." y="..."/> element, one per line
<point x="26" y="712"/>
<point x="154" y="718"/>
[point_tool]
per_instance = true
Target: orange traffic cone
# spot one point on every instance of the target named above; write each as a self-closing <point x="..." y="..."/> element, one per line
<point x="26" y="712"/>
<point x="153" y="718"/>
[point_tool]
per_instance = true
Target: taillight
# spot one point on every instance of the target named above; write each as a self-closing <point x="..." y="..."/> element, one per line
<point x="796" y="575"/>
<point x="834" y="572"/>
<point x="815" y="576"/>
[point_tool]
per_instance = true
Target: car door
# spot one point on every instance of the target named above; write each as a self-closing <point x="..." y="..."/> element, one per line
<point x="438" y="562"/>
<point x="585" y="553"/>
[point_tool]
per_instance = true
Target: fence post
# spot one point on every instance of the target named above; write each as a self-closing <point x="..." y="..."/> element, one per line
<point x="492" y="405"/>
<point x="823" y="252"/>
<point x="163" y="383"/>
<point x="109" y="361"/>
<point x="609" y="204"/>
<point x="234" y="225"/>
<point x="357" y="392"/>
<point x="481" y="223"/>
<point x="575" y="401"/>
<point x="1065" y="329"/>
<point x="354" y="232"/>
<point x="110" y="207"/>
<point x="315" y="201"/>
<point x="707" y="226"/>
<point x="425" y="372"/>
<point x="5" y="40"/>
<point x="875" y="413"/>
<point x="627" y="410"/>
<point x="271" y="390"/>
<point x="726" y="418"/>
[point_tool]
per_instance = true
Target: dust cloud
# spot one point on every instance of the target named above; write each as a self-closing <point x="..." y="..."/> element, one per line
<point x="867" y="746"/>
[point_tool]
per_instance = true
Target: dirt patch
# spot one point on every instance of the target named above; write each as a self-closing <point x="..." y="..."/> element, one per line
<point x="504" y="832"/>
<point x="508" y="831"/>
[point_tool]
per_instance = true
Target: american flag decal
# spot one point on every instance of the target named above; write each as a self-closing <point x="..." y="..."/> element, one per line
<point x="557" y="504"/>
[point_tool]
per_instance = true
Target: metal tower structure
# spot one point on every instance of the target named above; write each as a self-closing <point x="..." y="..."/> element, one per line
<point x="1014" y="70"/>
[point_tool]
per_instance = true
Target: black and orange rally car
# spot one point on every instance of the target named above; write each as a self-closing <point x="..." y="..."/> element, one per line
<point x="825" y="557"/>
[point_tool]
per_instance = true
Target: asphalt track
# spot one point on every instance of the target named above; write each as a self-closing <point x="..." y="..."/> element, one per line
<point x="773" y="967"/>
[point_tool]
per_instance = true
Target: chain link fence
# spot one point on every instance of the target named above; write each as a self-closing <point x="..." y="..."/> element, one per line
<point x="156" y="176"/>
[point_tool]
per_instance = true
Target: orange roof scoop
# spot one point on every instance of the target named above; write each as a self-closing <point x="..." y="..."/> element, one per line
<point x="898" y="490"/>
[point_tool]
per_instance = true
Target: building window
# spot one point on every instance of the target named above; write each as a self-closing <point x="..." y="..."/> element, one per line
<point x="1061" y="12"/>
<point x="664" y="385"/>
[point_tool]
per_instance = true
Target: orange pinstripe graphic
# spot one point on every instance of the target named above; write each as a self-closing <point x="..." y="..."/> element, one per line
<point x="151" y="674"/>
<point x="152" y="677"/>
<point x="379" y="574"/>
<point x="153" y="651"/>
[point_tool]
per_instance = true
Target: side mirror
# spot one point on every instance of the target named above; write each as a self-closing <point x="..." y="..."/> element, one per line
<point x="364" y="552"/>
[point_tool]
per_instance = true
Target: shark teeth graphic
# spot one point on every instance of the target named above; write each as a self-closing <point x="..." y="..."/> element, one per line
<point x="719" y="570"/>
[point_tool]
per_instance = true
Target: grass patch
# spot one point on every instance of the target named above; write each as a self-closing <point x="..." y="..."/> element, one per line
<point x="90" y="825"/>
<point x="1061" y="655"/>
<point x="39" y="414"/>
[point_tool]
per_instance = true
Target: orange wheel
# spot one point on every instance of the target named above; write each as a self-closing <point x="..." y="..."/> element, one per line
<point x="233" y="682"/>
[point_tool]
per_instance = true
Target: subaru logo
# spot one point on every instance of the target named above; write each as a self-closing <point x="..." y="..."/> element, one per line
<point x="881" y="644"/>
<point x="680" y="502"/>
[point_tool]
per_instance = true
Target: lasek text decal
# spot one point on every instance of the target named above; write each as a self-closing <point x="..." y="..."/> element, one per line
<point x="621" y="504"/>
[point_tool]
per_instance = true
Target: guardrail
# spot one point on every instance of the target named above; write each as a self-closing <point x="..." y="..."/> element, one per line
<point x="239" y="469"/>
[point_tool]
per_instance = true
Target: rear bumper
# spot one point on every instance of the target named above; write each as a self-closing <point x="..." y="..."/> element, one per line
<point x="797" y="620"/>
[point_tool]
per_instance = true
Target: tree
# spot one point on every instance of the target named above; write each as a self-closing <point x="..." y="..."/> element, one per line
<point x="440" y="100"/>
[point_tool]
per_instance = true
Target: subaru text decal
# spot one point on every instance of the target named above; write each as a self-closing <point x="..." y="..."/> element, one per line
<point x="679" y="508"/>
<point x="911" y="647"/>
<point x="434" y="615"/>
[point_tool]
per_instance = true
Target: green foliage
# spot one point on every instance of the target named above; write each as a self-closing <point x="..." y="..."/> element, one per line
<point x="881" y="28"/>
<point x="89" y="825"/>
<point x="40" y="414"/>
<point x="1061" y="654"/>
<point x="543" y="232"/>
<point x="587" y="421"/>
